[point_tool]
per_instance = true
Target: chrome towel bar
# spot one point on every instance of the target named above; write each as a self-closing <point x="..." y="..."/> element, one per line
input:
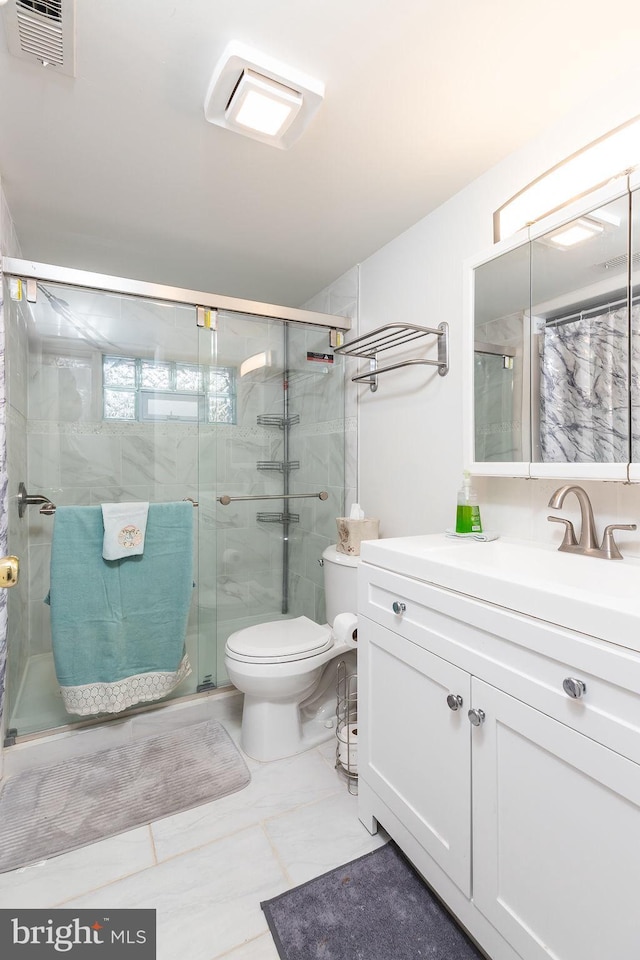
<point x="26" y="499"/>
<point x="225" y="500"/>
<point x="46" y="506"/>
<point x="391" y="335"/>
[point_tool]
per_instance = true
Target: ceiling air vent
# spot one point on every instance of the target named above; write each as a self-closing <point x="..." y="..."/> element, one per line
<point x="620" y="261"/>
<point x="42" y="31"/>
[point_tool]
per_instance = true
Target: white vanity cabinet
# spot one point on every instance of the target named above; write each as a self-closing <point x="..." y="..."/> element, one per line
<point x="528" y="824"/>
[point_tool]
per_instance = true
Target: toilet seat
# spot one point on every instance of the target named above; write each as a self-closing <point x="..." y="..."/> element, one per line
<point x="280" y="641"/>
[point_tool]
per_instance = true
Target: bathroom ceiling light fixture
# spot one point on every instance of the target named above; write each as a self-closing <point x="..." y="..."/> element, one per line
<point x="263" y="105"/>
<point x="575" y="232"/>
<point x="610" y="156"/>
<point x="260" y="97"/>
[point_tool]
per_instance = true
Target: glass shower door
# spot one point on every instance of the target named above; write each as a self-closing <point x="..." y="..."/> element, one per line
<point x="284" y="447"/>
<point x="117" y="398"/>
<point x="106" y="400"/>
<point x="497" y="428"/>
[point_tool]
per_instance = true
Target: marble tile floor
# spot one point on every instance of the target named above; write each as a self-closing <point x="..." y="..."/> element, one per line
<point x="206" y="870"/>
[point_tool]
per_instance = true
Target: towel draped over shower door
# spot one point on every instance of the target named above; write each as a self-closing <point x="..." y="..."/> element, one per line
<point x="119" y="626"/>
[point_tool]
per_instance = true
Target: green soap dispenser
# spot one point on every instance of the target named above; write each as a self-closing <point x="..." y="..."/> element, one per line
<point x="468" y="512"/>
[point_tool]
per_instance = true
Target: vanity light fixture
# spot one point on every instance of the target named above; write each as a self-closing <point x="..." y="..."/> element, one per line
<point x="260" y="97"/>
<point x="610" y="156"/>
<point x="575" y="232"/>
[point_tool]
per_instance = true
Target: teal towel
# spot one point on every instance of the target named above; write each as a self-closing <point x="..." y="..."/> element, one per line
<point x="118" y="626"/>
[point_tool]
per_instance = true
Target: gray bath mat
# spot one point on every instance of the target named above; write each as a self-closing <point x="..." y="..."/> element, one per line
<point x="374" y="908"/>
<point x="54" y="809"/>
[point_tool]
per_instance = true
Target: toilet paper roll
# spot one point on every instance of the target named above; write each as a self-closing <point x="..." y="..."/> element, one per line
<point x="348" y="747"/>
<point x="349" y="732"/>
<point x="345" y="629"/>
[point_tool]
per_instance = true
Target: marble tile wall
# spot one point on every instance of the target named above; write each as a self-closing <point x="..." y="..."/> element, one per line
<point x="328" y="438"/>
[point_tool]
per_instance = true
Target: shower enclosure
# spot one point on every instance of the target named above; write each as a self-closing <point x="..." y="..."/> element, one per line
<point x="123" y="391"/>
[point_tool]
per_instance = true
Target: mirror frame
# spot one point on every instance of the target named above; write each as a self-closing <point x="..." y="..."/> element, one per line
<point x="619" y="187"/>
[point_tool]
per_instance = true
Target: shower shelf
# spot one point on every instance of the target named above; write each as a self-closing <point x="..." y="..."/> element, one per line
<point x="391" y="335"/>
<point x="278" y="517"/>
<point x="278" y="465"/>
<point x="273" y="420"/>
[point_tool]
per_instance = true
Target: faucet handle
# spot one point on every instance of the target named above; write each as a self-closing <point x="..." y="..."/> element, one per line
<point x="569" y="539"/>
<point x="609" y="546"/>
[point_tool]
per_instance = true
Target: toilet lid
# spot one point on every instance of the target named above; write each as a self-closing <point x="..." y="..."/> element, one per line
<point x="280" y="640"/>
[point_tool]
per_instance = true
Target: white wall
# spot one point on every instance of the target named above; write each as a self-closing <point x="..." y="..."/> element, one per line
<point x="411" y="454"/>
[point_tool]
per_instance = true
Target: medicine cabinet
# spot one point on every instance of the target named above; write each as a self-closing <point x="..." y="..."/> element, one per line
<point x="552" y="345"/>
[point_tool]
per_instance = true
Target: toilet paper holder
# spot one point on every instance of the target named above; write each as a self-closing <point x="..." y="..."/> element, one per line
<point x="347" y="725"/>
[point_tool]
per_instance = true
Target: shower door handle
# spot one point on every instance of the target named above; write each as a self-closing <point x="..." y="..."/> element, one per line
<point x="9" y="570"/>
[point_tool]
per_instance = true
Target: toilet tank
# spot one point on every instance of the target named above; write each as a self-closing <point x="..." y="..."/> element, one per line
<point x="340" y="583"/>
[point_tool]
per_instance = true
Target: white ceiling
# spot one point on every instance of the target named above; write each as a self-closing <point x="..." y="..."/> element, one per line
<point x="117" y="170"/>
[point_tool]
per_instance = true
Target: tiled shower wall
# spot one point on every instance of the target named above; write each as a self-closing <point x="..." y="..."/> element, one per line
<point x="342" y="298"/>
<point x="318" y="442"/>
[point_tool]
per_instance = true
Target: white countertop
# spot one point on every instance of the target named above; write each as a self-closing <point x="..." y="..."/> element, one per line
<point x="597" y="597"/>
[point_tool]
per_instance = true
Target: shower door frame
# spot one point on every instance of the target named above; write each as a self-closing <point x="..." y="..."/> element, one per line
<point x="68" y="276"/>
<point x="202" y="301"/>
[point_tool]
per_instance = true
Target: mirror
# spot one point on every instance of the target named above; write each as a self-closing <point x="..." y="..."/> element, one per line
<point x="635" y="333"/>
<point x="551" y="347"/>
<point x="500" y="360"/>
<point x="580" y="342"/>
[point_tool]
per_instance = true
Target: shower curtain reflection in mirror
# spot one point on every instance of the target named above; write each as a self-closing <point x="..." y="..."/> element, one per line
<point x="584" y="393"/>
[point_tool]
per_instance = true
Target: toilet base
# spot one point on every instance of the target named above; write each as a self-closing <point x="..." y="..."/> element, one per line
<point x="273" y="731"/>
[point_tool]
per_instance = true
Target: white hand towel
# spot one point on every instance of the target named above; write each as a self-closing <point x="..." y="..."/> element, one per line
<point x="125" y="525"/>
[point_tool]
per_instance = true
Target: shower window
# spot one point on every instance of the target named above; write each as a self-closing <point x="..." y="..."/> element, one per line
<point x="137" y="389"/>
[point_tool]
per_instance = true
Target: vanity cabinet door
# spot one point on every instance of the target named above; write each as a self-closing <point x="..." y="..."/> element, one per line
<point x="556" y="839"/>
<point x="414" y="749"/>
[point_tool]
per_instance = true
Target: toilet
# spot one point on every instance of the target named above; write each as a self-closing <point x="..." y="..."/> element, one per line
<point x="286" y="670"/>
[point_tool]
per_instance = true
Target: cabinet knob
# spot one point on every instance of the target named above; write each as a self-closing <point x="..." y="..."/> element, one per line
<point x="574" y="688"/>
<point x="454" y="701"/>
<point x="476" y="717"/>
<point x="398" y="607"/>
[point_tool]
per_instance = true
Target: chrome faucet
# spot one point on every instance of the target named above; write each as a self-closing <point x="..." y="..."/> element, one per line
<point x="588" y="542"/>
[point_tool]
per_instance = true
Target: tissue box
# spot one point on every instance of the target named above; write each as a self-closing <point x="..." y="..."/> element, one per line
<point x="351" y="533"/>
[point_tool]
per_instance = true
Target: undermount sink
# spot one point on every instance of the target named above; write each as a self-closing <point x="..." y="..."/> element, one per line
<point x="597" y="597"/>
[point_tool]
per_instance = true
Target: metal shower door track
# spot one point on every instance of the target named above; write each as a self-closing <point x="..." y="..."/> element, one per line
<point x="157" y="291"/>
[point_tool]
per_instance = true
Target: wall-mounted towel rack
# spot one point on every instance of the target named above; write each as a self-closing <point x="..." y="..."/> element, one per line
<point x="395" y="335"/>
<point x="225" y="500"/>
<point x="46" y="506"/>
<point x="26" y="499"/>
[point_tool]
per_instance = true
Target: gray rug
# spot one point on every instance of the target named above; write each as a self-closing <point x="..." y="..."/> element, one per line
<point x="374" y="908"/>
<point x="55" y="809"/>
